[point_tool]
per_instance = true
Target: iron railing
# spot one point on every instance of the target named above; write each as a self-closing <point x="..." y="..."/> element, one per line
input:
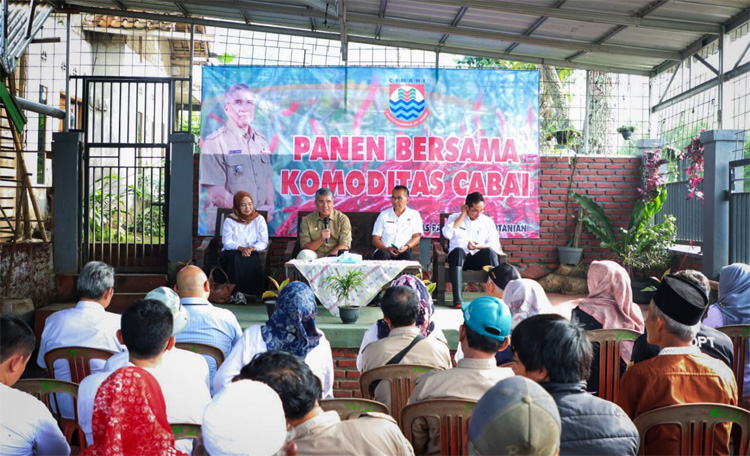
<point x="739" y="211"/>
<point x="687" y="212"/>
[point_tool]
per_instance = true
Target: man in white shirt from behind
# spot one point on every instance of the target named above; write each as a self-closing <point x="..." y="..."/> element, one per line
<point x="26" y="426"/>
<point x="85" y="325"/>
<point x="208" y="324"/>
<point x="147" y="332"/>
<point x="397" y="230"/>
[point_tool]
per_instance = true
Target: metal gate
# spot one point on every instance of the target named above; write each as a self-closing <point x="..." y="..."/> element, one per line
<point x="739" y="211"/>
<point x="126" y="122"/>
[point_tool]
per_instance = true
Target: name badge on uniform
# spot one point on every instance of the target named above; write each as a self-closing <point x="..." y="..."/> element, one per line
<point x="235" y="151"/>
<point x="390" y="221"/>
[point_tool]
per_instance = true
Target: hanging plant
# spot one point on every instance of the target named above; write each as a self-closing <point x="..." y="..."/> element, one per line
<point x="695" y="154"/>
<point x="652" y="178"/>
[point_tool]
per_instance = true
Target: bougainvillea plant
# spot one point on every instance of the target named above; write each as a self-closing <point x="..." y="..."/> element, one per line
<point x="694" y="153"/>
<point x="652" y="178"/>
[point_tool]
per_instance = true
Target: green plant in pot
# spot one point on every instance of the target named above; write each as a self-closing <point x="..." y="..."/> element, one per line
<point x="343" y="285"/>
<point x="269" y="296"/>
<point x="626" y="131"/>
<point x="642" y="248"/>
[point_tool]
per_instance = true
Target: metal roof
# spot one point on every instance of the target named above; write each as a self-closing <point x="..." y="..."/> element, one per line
<point x="625" y="36"/>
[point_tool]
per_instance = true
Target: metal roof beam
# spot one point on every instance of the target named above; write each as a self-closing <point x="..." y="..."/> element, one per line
<point x="182" y="9"/>
<point x="285" y="10"/>
<point x="508" y="37"/>
<point x="455" y="22"/>
<point x="341" y="6"/>
<point x="711" y="83"/>
<point x="583" y="15"/>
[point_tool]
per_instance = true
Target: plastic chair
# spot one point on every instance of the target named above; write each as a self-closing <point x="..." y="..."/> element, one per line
<point x="45" y="389"/>
<point x="78" y="358"/>
<point x="697" y="422"/>
<point x="609" y="341"/>
<point x="739" y="335"/>
<point x="351" y="407"/>
<point x="186" y="430"/>
<point x="453" y="416"/>
<point x="203" y="349"/>
<point x="401" y="378"/>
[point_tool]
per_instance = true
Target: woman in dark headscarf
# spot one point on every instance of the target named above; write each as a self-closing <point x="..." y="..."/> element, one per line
<point x="380" y="328"/>
<point x="291" y="328"/>
<point x="243" y="234"/>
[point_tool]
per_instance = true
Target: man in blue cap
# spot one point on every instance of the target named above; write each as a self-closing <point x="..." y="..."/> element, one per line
<point x="485" y="331"/>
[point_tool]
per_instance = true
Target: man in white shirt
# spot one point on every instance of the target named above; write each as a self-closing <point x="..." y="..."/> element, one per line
<point x="26" y="426"/>
<point x="208" y="324"/>
<point x="147" y="332"/>
<point x="397" y="230"/>
<point x="474" y="242"/>
<point x="85" y="325"/>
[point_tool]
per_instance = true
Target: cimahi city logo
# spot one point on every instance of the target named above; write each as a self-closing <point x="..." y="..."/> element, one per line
<point x="406" y="105"/>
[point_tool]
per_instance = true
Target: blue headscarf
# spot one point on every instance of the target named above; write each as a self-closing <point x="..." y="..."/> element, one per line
<point x="426" y="307"/>
<point x="734" y="294"/>
<point x="292" y="326"/>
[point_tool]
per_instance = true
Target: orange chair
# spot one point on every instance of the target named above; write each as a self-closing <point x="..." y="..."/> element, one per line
<point x="453" y="416"/>
<point x="78" y="358"/>
<point x="401" y="378"/>
<point x="203" y="349"/>
<point x="45" y="390"/>
<point x="739" y="335"/>
<point x="697" y="422"/>
<point x="610" y="341"/>
<point x="351" y="407"/>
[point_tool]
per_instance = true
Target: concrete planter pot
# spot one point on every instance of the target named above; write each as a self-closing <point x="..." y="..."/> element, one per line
<point x="570" y="255"/>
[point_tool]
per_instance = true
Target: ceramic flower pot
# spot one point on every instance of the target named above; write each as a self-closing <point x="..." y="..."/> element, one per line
<point x="349" y="315"/>
<point x="270" y="307"/>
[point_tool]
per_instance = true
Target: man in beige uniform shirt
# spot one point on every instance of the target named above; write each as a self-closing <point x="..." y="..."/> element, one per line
<point x="237" y="157"/>
<point x="324" y="231"/>
<point x="317" y="432"/>
<point x="485" y="331"/>
<point x="400" y="308"/>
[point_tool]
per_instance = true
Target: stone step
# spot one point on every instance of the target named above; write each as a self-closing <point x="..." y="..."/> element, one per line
<point x="124" y="283"/>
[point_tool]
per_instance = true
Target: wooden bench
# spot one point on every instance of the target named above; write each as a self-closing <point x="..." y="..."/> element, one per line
<point x="207" y="254"/>
<point x="440" y="264"/>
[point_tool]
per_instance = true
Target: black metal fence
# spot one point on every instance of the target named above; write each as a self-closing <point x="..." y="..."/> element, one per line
<point x="739" y="211"/>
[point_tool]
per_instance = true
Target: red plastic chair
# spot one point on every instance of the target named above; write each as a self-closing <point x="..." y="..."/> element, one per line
<point x="351" y="407"/>
<point x="610" y="341"/>
<point x="739" y="335"/>
<point x="401" y="377"/>
<point x="453" y="417"/>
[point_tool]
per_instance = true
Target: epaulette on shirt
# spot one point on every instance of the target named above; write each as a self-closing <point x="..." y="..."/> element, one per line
<point x="216" y="133"/>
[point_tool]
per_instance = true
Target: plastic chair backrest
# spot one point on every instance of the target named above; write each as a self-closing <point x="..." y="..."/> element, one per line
<point x="401" y="377"/>
<point x="351" y="407"/>
<point x="453" y="416"/>
<point x="696" y="422"/>
<point x="739" y="335"/>
<point x="45" y="390"/>
<point x="610" y="341"/>
<point x="203" y="349"/>
<point x="78" y="358"/>
<point x="186" y="430"/>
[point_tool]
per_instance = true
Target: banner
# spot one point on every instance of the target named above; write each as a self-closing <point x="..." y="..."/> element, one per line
<point x="284" y="132"/>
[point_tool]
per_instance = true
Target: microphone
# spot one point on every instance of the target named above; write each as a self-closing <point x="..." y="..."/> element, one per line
<point x="325" y="225"/>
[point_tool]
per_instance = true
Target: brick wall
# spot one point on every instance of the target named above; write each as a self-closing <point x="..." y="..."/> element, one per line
<point x="610" y="180"/>
<point x="346" y="376"/>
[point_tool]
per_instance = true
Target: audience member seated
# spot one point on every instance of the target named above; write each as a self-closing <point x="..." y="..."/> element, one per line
<point x="498" y="277"/>
<point x="711" y="341"/>
<point x="245" y="418"/>
<point x="88" y="324"/>
<point x="26" y="426"/>
<point x="733" y="307"/>
<point x="608" y="306"/>
<point x="147" y="333"/>
<point x="400" y="310"/>
<point x="380" y="329"/>
<point x="317" y="432"/>
<point x="397" y="230"/>
<point x="208" y="324"/>
<point x="174" y="360"/>
<point x="243" y="234"/>
<point x="516" y="416"/>
<point x="555" y="352"/>
<point x="324" y="231"/>
<point x="474" y="242"/>
<point x="526" y="298"/>
<point x="130" y="416"/>
<point x="485" y="331"/>
<point x="680" y="373"/>
<point x="291" y="328"/>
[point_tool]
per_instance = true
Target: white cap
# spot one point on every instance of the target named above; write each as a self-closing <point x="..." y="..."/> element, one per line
<point x="245" y="418"/>
<point x="169" y="297"/>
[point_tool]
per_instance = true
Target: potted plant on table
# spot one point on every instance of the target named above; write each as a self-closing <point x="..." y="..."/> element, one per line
<point x="642" y="248"/>
<point x="269" y="296"/>
<point x="343" y="286"/>
<point x="626" y="131"/>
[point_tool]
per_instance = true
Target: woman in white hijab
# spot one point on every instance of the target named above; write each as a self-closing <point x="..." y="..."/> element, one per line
<point x="526" y="298"/>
